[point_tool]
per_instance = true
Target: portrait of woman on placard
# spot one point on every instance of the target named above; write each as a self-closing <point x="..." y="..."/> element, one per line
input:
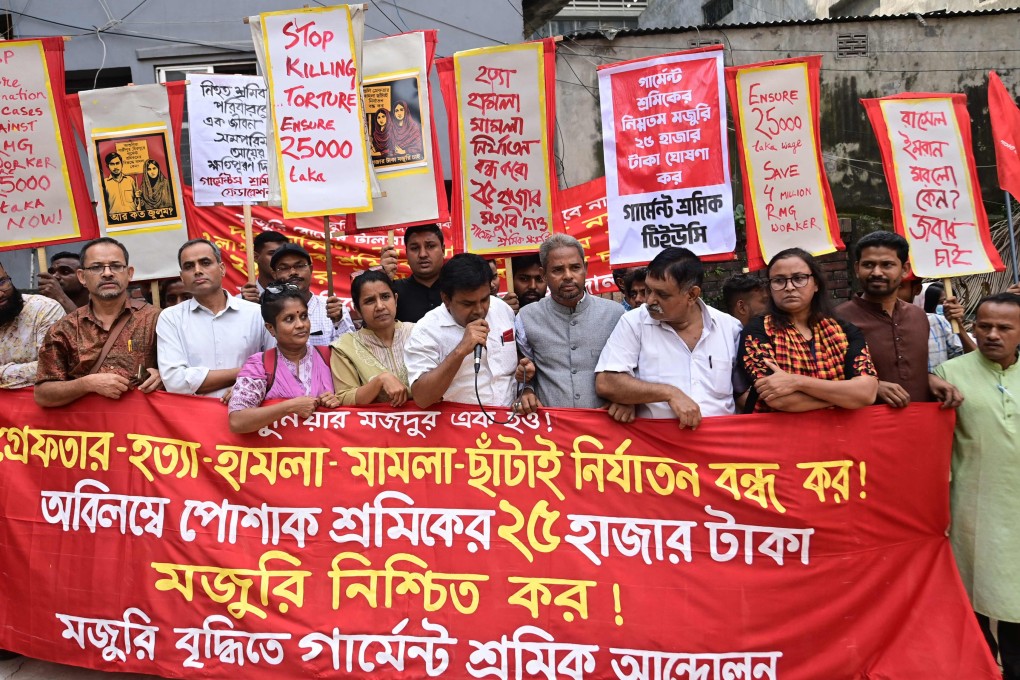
<point x="382" y="143"/>
<point x="406" y="131"/>
<point x="155" y="191"/>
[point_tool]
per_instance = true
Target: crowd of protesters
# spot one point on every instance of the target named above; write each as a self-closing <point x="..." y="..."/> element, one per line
<point x="442" y="334"/>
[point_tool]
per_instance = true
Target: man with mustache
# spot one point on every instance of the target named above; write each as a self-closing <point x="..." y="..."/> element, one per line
<point x="329" y="318"/>
<point x="529" y="286"/>
<point x="983" y="493"/>
<point x="204" y="341"/>
<point x="896" y="331"/>
<point x="565" y="332"/>
<point x="61" y="282"/>
<point x="417" y="294"/>
<point x="107" y="347"/>
<point x="673" y="357"/>
<point x="24" y="320"/>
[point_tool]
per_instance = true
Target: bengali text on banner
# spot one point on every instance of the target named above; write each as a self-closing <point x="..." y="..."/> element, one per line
<point x="501" y="134"/>
<point x="929" y="167"/>
<point x="315" y="106"/>
<point x="43" y="196"/>
<point x="227" y="135"/>
<point x="666" y="155"/>
<point x="583" y="216"/>
<point x="787" y="197"/>
<point x="432" y="543"/>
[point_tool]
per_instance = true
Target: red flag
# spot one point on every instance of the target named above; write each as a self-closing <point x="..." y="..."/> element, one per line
<point x="1006" y="131"/>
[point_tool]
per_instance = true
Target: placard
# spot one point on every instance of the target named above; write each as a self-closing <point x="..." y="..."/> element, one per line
<point x="317" y="119"/>
<point x="929" y="168"/>
<point x="666" y="155"/>
<point x="583" y="216"/>
<point x="227" y="132"/>
<point x="787" y="198"/>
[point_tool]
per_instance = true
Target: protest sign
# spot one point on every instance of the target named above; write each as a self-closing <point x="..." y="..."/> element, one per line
<point x="313" y="68"/>
<point x="501" y="106"/>
<point x="405" y="146"/>
<point x="787" y="198"/>
<point x="227" y="134"/>
<point x="132" y="151"/>
<point x="43" y="197"/>
<point x="583" y="216"/>
<point x="435" y="543"/>
<point x="929" y="168"/>
<point x="666" y="155"/>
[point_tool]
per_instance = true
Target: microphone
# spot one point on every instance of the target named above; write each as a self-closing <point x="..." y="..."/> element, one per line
<point x="478" y="357"/>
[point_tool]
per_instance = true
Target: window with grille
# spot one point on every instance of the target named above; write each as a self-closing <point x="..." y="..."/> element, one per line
<point x="851" y="45"/>
<point x="6" y="26"/>
<point x="715" y="11"/>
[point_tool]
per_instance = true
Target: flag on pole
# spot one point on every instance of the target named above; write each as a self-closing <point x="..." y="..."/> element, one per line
<point x="1006" y="131"/>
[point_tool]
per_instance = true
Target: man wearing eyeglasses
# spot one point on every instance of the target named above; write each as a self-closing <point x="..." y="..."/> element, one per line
<point x="329" y="318"/>
<point x="204" y="341"/>
<point x="61" y="282"/>
<point x="24" y="320"/>
<point x="896" y="331"/>
<point x="106" y="347"/>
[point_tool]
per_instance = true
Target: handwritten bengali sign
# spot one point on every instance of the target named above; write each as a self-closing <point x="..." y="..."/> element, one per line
<point x="929" y="167"/>
<point x="666" y="153"/>
<point x="434" y="543"/>
<point x="36" y="203"/>
<point x="227" y="115"/>
<point x="505" y="113"/>
<point x="316" y="111"/>
<point x="583" y="216"/>
<point x="789" y="203"/>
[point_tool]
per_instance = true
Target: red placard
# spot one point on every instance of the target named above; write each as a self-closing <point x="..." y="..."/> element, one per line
<point x="583" y="215"/>
<point x="409" y="543"/>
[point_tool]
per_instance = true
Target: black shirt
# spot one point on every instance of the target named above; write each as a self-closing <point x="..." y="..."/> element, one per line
<point x="414" y="300"/>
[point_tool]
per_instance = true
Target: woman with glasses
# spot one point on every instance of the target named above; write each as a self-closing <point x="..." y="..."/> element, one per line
<point x="799" y="356"/>
<point x="368" y="365"/>
<point x="294" y="370"/>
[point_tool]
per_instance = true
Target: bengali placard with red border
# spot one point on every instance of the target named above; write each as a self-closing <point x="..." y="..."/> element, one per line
<point x="666" y="155"/>
<point x="929" y="167"/>
<point x="787" y="199"/>
<point x="433" y="543"/>
<point x="583" y="216"/>
<point x="44" y="199"/>
<point x="501" y="104"/>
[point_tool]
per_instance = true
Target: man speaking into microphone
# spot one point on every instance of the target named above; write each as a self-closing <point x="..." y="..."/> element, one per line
<point x="467" y="343"/>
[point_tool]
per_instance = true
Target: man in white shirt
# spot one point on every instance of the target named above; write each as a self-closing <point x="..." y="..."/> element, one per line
<point x="204" y="341"/>
<point x="675" y="355"/>
<point x="329" y="318"/>
<point x="440" y="354"/>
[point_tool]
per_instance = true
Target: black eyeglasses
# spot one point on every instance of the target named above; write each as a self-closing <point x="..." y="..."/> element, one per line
<point x="286" y="269"/>
<point x="98" y="269"/>
<point x="279" y="288"/>
<point x="798" y="280"/>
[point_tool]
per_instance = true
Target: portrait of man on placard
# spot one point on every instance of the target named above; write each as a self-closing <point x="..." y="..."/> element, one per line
<point x="393" y="114"/>
<point x="137" y="181"/>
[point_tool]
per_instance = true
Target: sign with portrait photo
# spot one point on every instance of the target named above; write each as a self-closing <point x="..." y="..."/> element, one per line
<point x="393" y="114"/>
<point x="137" y="184"/>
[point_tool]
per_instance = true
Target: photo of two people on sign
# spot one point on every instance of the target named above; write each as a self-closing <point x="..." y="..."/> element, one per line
<point x="394" y="119"/>
<point x="137" y="184"/>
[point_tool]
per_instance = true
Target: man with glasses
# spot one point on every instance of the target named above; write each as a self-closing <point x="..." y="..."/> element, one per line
<point x="24" y="320"/>
<point x="674" y="356"/>
<point x="61" y="282"/>
<point x="896" y="331"/>
<point x="204" y="341"/>
<point x="106" y="347"/>
<point x="329" y="318"/>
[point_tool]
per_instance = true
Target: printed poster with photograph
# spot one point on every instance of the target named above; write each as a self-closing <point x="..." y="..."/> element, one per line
<point x="136" y="171"/>
<point x="393" y="111"/>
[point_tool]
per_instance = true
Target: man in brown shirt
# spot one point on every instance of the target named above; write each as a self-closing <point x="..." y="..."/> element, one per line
<point x="67" y="359"/>
<point x="896" y="331"/>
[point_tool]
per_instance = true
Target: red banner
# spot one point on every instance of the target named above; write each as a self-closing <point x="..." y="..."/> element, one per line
<point x="786" y="193"/>
<point x="413" y="543"/>
<point x="352" y="253"/>
<point x="1006" y="130"/>
<point x="583" y="216"/>
<point x="929" y="168"/>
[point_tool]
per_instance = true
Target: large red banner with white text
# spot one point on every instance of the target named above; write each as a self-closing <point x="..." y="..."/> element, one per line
<point x="434" y="543"/>
<point x="583" y="216"/>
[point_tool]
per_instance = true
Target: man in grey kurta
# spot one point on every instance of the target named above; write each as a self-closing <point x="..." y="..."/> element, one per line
<point x="985" y="494"/>
<point x="564" y="333"/>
